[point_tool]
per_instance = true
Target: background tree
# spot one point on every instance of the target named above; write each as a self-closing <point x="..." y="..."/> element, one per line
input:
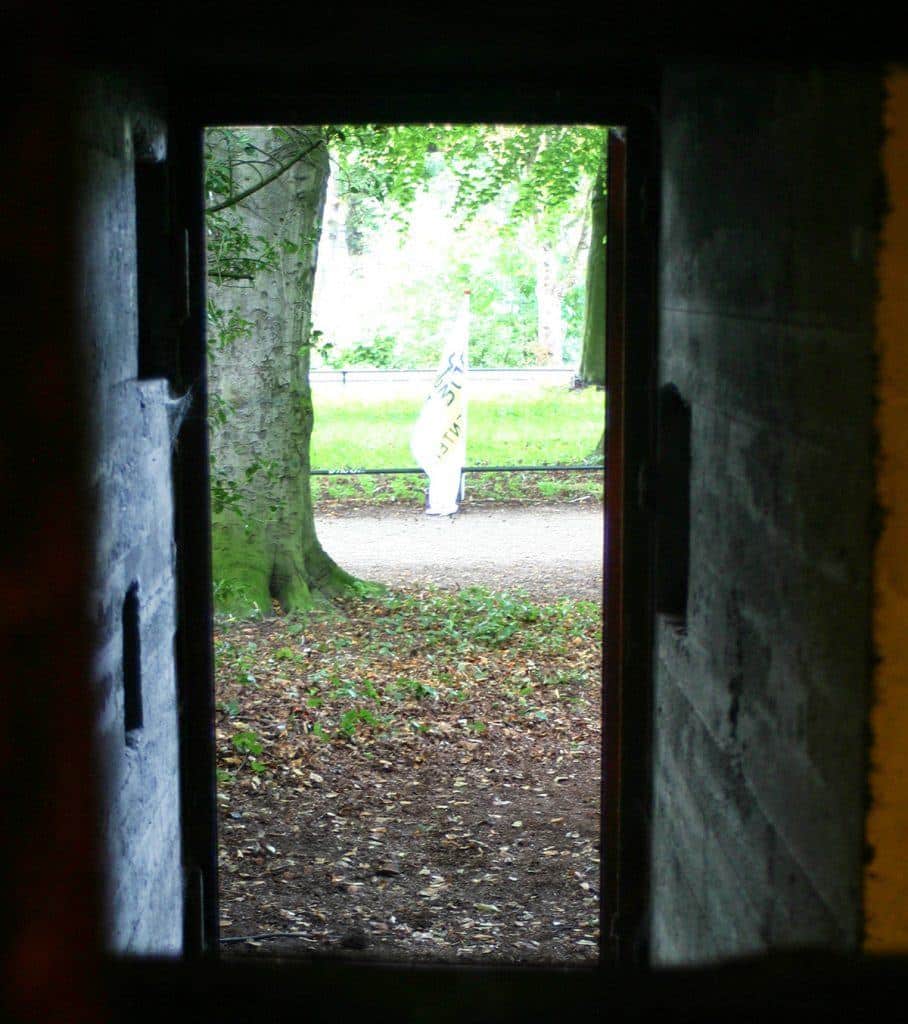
<point x="266" y="190"/>
<point x="525" y="182"/>
<point x="592" y="359"/>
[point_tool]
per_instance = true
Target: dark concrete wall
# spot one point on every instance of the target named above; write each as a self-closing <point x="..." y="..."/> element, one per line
<point x="129" y="474"/>
<point x="768" y="241"/>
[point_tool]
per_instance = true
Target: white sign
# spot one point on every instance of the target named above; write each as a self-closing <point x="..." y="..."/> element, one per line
<point x="439" y="440"/>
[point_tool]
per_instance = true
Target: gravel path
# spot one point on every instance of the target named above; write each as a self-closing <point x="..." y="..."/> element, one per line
<point x="551" y="551"/>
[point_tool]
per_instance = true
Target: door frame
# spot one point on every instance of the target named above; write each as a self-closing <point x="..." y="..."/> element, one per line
<point x="630" y="363"/>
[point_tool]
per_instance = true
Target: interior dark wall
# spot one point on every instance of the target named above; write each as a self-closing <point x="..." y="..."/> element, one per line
<point x="770" y="207"/>
<point x="731" y="792"/>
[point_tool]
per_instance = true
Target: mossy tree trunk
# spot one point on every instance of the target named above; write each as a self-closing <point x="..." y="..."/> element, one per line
<point x="264" y="543"/>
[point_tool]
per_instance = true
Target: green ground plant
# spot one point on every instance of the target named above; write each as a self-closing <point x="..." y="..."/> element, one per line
<point x="480" y="487"/>
<point x="250" y="746"/>
<point x="458" y="644"/>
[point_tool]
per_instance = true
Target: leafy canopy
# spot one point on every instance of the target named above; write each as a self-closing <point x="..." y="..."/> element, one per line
<point x="541" y="166"/>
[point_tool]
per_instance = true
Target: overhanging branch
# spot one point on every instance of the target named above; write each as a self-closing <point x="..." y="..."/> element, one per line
<point x="283" y="168"/>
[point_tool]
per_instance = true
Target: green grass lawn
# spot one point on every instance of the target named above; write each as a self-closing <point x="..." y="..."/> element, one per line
<point x="543" y="426"/>
<point x="551" y="425"/>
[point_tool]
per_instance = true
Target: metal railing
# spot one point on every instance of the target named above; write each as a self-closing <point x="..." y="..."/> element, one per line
<point x="466" y="469"/>
<point x="555" y="374"/>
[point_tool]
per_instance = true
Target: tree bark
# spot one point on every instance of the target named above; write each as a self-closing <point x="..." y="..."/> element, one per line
<point x="592" y="359"/>
<point x="549" y="295"/>
<point x="264" y="545"/>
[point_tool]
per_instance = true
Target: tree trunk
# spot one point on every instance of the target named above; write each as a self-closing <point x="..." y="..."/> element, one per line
<point x="592" y="359"/>
<point x="549" y="295"/>
<point x="264" y="544"/>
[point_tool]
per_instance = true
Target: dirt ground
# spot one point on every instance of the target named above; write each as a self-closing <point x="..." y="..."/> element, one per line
<point x="550" y="550"/>
<point x="468" y="830"/>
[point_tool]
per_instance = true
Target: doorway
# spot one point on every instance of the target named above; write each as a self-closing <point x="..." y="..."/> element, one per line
<point x="413" y="770"/>
<point x="624" y="888"/>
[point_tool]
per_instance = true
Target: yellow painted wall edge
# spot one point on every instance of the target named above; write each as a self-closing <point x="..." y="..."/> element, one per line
<point x="886" y="874"/>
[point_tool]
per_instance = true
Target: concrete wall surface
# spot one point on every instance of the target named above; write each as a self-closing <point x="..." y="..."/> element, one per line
<point x="132" y="532"/>
<point x="770" y="204"/>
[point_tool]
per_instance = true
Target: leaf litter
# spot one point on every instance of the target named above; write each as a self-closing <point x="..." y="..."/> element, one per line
<point x="412" y="775"/>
